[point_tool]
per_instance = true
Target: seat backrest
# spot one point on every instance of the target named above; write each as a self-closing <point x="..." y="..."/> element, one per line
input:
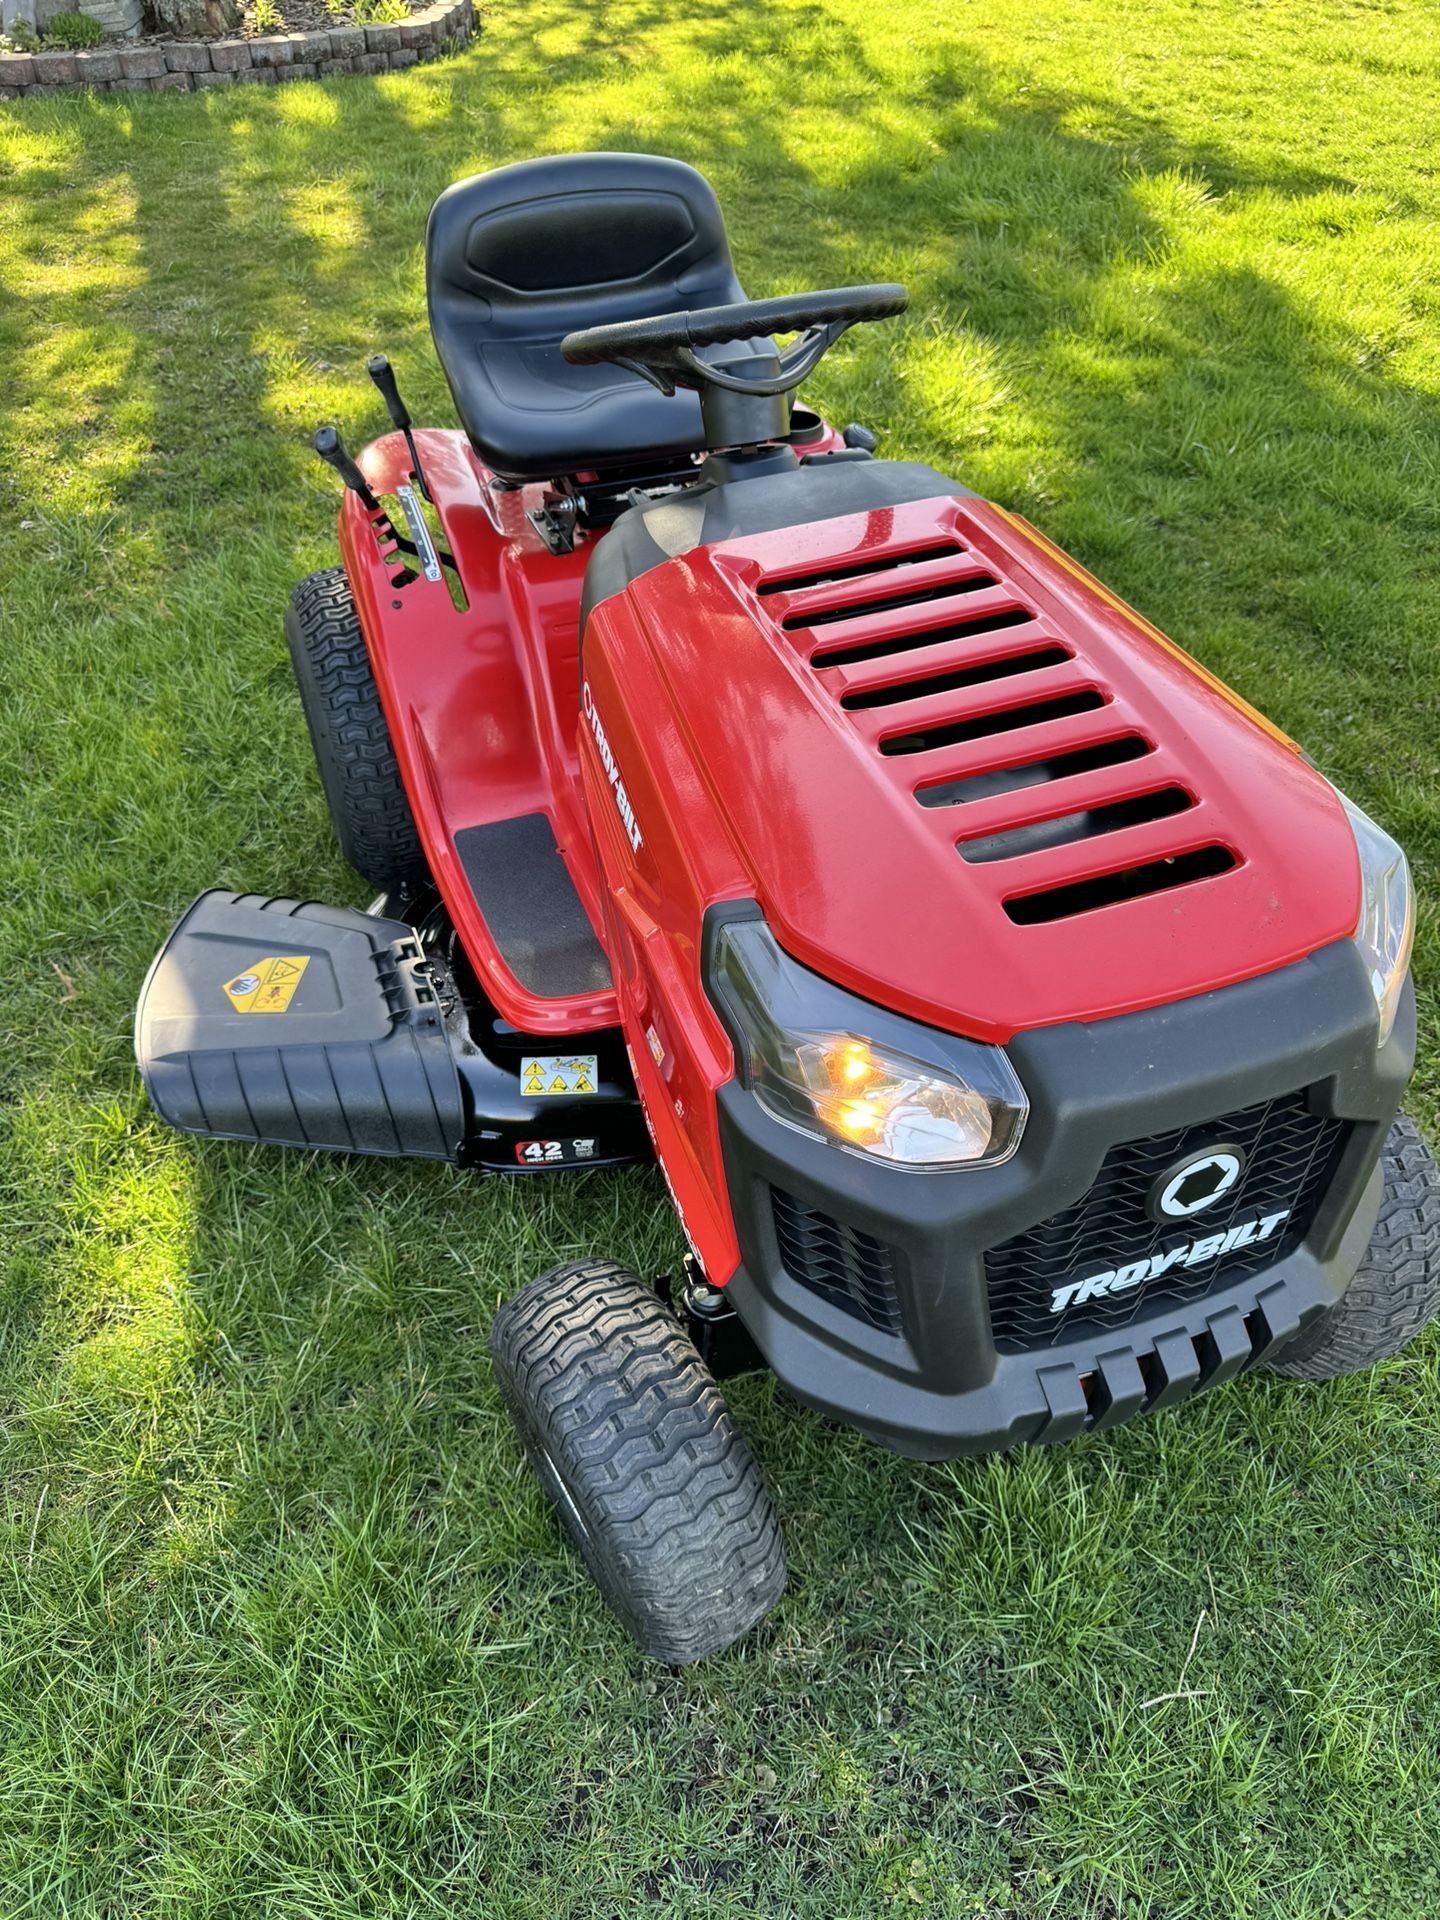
<point x="517" y="258"/>
<point x="577" y="240"/>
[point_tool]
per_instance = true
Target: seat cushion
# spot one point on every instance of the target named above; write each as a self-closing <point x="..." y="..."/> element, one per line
<point x="518" y="258"/>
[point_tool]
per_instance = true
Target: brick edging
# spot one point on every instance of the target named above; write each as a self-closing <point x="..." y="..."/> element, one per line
<point x="188" y="64"/>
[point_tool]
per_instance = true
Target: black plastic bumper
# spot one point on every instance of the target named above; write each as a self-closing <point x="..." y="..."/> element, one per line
<point x="934" y="1384"/>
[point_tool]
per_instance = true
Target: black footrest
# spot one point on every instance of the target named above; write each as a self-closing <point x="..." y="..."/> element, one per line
<point x="300" y="1025"/>
<point x="530" y="905"/>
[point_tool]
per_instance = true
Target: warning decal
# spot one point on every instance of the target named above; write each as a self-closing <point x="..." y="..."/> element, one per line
<point x="574" y="1074"/>
<point x="268" y="986"/>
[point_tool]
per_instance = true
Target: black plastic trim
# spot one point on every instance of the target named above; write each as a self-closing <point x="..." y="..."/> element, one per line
<point x="939" y="1387"/>
<point x="648" y="535"/>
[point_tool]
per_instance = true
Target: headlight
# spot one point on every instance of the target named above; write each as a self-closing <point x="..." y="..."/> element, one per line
<point x="852" y="1074"/>
<point x="1386" y="931"/>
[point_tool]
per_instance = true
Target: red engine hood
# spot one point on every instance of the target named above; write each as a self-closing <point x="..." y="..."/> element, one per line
<point x="965" y="780"/>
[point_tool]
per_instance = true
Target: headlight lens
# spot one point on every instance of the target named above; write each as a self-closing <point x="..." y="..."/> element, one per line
<point x="1386" y="930"/>
<point x="848" y="1073"/>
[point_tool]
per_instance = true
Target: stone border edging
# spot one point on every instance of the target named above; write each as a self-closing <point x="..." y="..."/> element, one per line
<point x="184" y="65"/>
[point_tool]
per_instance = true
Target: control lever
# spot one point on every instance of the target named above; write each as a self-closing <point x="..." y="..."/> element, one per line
<point x="383" y="374"/>
<point x="331" y="449"/>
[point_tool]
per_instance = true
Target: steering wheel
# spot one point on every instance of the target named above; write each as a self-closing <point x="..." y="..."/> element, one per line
<point x="661" y="349"/>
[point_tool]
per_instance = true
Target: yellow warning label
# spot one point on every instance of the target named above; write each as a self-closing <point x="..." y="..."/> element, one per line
<point x="574" y="1075"/>
<point x="269" y="985"/>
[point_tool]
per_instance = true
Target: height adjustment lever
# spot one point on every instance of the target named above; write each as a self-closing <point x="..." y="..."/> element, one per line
<point x="383" y="374"/>
<point x="331" y="449"/>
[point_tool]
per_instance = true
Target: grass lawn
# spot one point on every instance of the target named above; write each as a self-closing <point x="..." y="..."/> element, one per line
<point x="285" y="1629"/>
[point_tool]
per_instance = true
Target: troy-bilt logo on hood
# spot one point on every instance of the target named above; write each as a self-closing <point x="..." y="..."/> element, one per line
<point x="612" y="772"/>
<point x="1190" y="1253"/>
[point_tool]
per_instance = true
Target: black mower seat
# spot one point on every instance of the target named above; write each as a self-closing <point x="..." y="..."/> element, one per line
<point x="518" y="258"/>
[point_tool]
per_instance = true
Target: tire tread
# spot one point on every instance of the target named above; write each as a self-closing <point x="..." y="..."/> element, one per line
<point x="684" y="1542"/>
<point x="349" y="732"/>
<point x="1396" y="1289"/>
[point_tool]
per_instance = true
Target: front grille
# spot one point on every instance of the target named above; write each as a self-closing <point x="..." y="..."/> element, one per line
<point x="852" y="1270"/>
<point x="1291" y="1155"/>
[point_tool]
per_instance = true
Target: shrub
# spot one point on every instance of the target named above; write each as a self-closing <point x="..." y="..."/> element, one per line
<point x="74" y="30"/>
<point x="378" y="13"/>
<point x="21" y="37"/>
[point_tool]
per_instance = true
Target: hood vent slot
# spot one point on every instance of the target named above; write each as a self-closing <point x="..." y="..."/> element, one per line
<point x="1034" y="773"/>
<point x="852" y="656"/>
<point x="877" y="563"/>
<point x="1127" y="883"/>
<point x="958" y="677"/>
<point x="981" y="725"/>
<point x="889" y="603"/>
<point x="1070" y="827"/>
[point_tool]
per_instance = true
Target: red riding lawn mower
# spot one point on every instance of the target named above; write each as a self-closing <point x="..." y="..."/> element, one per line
<point x="1018" y="1018"/>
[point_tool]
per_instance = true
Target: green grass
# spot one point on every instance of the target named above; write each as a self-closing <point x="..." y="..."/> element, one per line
<point x="284" y="1628"/>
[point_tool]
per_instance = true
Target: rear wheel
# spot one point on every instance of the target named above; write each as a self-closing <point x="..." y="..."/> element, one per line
<point x="627" y="1431"/>
<point x="1396" y="1291"/>
<point x="349" y="733"/>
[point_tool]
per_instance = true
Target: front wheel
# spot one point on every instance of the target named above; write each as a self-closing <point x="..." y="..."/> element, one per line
<point x="630" y="1438"/>
<point x="1396" y="1291"/>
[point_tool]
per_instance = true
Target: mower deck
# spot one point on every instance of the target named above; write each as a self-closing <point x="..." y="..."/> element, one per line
<point x="296" y="1024"/>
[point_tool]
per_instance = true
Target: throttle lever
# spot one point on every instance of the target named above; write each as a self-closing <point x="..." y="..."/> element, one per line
<point x="383" y="374"/>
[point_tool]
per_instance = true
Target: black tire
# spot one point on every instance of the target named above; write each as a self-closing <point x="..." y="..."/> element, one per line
<point x="627" y="1431"/>
<point x="1396" y="1291"/>
<point x="348" y="731"/>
